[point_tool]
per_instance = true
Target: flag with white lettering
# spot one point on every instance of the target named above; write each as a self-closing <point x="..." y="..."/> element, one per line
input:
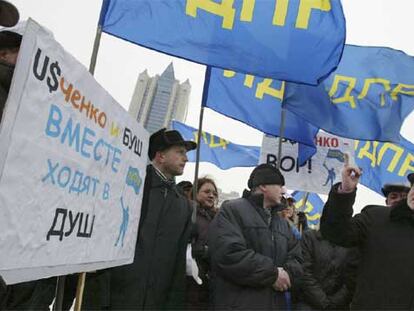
<point x="367" y="97"/>
<point x="266" y="38"/>
<point x="72" y="168"/>
<point x="217" y="150"/>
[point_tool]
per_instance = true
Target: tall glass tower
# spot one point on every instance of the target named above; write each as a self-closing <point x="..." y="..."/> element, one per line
<point x="160" y="99"/>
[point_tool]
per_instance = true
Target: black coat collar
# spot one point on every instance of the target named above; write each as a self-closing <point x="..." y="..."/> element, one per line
<point x="402" y="213"/>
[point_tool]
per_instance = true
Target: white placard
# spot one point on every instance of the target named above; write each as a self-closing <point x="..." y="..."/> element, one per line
<point x="72" y="169"/>
<point x="320" y="172"/>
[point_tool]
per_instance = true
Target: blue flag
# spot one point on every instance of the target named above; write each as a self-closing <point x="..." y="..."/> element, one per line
<point x="383" y="163"/>
<point x="313" y="207"/>
<point x="257" y="102"/>
<point x="297" y="40"/>
<point x="218" y="151"/>
<point x="366" y="98"/>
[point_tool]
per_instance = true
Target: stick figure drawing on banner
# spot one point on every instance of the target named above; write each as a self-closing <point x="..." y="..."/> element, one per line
<point x="331" y="175"/>
<point x="124" y="224"/>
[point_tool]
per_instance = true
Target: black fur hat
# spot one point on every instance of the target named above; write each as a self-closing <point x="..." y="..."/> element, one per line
<point x="9" y="16"/>
<point x="164" y="139"/>
<point x="265" y="174"/>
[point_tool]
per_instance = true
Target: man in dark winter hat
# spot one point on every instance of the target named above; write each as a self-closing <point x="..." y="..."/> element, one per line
<point x="9" y="48"/>
<point x="385" y="236"/>
<point x="156" y="278"/>
<point x="253" y="250"/>
<point x="394" y="193"/>
<point x="9" y="15"/>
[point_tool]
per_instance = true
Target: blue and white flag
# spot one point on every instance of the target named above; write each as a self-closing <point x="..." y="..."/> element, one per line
<point x="218" y="151"/>
<point x="258" y="103"/>
<point x="312" y="208"/>
<point x="366" y="98"/>
<point x="384" y="163"/>
<point x="297" y="40"/>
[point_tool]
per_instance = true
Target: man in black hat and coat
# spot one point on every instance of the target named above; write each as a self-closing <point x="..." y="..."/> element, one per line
<point x="385" y="236"/>
<point x="9" y="48"/>
<point x="255" y="258"/>
<point x="9" y="15"/>
<point x="394" y="193"/>
<point x="156" y="278"/>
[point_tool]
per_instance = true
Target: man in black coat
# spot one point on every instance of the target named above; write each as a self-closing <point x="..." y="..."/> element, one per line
<point x="324" y="283"/>
<point x="394" y="193"/>
<point x="156" y="278"/>
<point x="255" y="258"/>
<point x="385" y="236"/>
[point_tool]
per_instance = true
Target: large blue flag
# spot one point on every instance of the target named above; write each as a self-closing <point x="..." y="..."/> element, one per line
<point x="383" y="163"/>
<point x="366" y="98"/>
<point x="298" y="40"/>
<point x="218" y="151"/>
<point x="313" y="207"/>
<point x="258" y="103"/>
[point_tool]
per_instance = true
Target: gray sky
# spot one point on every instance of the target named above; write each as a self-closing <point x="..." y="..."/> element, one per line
<point x="73" y="22"/>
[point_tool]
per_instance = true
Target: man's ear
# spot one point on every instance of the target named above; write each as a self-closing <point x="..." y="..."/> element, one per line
<point x="262" y="188"/>
<point x="3" y="54"/>
<point x="159" y="156"/>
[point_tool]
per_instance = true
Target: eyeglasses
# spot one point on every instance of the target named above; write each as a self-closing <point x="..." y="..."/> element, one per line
<point x="211" y="192"/>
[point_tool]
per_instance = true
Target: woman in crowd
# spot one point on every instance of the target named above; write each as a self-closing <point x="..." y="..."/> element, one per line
<point x="198" y="295"/>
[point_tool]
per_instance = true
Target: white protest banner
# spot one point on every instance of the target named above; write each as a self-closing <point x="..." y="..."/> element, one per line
<point x="72" y="168"/>
<point x="320" y="172"/>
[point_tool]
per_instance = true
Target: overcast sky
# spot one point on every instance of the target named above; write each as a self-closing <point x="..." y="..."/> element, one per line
<point x="74" y="22"/>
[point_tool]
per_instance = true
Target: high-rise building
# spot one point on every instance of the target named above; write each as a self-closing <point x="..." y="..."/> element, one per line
<point x="160" y="99"/>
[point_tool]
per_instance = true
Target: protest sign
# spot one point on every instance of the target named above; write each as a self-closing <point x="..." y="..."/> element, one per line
<point x="320" y="172"/>
<point x="72" y="168"/>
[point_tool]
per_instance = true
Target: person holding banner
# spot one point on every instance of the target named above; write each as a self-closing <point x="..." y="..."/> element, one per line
<point x="35" y="294"/>
<point x="255" y="258"/>
<point x="9" y="15"/>
<point x="156" y="278"/>
<point x="9" y="48"/>
<point x="385" y="236"/>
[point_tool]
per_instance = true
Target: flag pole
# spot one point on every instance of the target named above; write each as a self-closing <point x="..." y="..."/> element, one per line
<point x="200" y="129"/>
<point x="82" y="276"/>
<point x="95" y="50"/>
<point x="60" y="290"/>
<point x="281" y="135"/>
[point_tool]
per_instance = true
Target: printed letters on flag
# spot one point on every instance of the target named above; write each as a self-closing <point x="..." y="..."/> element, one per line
<point x="313" y="207"/>
<point x="366" y="98"/>
<point x="266" y="38"/>
<point x="257" y="102"/>
<point x="384" y="163"/>
<point x="219" y="151"/>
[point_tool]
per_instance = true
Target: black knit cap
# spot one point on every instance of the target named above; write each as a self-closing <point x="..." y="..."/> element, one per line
<point x="265" y="174"/>
<point x="10" y="39"/>
<point x="411" y="178"/>
<point x="163" y="139"/>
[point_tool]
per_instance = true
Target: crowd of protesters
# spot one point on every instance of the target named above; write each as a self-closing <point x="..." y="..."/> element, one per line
<point x="251" y="253"/>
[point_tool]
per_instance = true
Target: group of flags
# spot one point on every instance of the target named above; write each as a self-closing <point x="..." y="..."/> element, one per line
<point x="263" y="57"/>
